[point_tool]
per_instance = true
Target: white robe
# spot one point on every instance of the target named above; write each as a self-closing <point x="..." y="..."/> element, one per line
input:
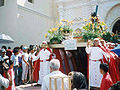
<point x="95" y="53"/>
<point x="45" y="84"/>
<point x="44" y="66"/>
<point x="13" y="82"/>
<point x="4" y="82"/>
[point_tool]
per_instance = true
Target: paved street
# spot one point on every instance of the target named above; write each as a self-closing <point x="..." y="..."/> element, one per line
<point x="28" y="87"/>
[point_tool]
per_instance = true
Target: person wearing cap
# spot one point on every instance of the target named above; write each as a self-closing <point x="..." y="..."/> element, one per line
<point x="95" y="59"/>
<point x="4" y="57"/>
<point x="25" y="64"/>
<point x="45" y="55"/>
<point x="106" y="82"/>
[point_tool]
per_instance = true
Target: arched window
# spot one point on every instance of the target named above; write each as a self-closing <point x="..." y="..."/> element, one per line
<point x="1" y="3"/>
<point x="31" y="1"/>
<point x="116" y="27"/>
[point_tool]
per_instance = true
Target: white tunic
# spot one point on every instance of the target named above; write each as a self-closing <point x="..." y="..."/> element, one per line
<point x="45" y="84"/>
<point x="44" y="66"/>
<point x="95" y="53"/>
<point x="14" y="58"/>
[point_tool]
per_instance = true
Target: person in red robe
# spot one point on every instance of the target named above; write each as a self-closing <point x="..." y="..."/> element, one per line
<point x="106" y="82"/>
<point x="112" y="65"/>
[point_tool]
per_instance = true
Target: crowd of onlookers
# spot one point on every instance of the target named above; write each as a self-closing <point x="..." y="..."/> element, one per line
<point x="14" y="59"/>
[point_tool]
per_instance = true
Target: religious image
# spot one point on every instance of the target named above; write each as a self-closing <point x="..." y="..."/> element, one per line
<point x="59" y="44"/>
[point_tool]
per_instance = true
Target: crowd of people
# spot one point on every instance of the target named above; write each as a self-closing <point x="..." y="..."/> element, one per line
<point x="16" y="63"/>
<point x="24" y="65"/>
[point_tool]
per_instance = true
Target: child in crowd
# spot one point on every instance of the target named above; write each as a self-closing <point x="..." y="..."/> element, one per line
<point x="15" y="60"/>
<point x="31" y="60"/>
<point x="25" y="64"/>
<point x="106" y="82"/>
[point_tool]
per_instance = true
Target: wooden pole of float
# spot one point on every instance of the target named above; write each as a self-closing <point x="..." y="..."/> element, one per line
<point x="62" y="83"/>
<point x="69" y="83"/>
<point x="50" y="83"/>
<point x="55" y="84"/>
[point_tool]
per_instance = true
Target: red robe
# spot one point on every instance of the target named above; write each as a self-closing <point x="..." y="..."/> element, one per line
<point x="11" y="72"/>
<point x="37" y="66"/>
<point x="112" y="64"/>
<point x="106" y="82"/>
<point x="57" y="53"/>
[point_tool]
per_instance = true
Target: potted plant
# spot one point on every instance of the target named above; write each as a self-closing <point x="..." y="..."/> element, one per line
<point x="61" y="30"/>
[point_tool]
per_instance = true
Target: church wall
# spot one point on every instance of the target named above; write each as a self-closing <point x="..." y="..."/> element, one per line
<point x="27" y="22"/>
<point x="8" y="19"/>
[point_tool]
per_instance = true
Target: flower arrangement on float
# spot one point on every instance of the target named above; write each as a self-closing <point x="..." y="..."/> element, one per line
<point x="95" y="28"/>
<point x="57" y="34"/>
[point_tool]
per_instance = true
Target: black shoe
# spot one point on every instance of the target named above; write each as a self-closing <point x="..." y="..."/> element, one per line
<point x="29" y="82"/>
<point x="16" y="84"/>
<point x="38" y="85"/>
<point x="22" y="83"/>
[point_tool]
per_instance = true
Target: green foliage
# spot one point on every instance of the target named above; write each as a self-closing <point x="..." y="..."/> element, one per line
<point x="110" y="37"/>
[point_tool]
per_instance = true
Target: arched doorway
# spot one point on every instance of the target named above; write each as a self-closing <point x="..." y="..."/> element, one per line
<point x="116" y="28"/>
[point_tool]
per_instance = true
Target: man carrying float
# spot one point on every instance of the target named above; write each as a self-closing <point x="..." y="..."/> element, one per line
<point x="44" y="56"/>
<point x="95" y="59"/>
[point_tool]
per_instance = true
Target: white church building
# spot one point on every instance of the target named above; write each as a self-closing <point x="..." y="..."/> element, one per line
<point x="26" y="21"/>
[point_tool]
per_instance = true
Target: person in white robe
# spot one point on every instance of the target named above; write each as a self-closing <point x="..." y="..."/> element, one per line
<point x="95" y="59"/>
<point x="44" y="56"/>
<point x="54" y="69"/>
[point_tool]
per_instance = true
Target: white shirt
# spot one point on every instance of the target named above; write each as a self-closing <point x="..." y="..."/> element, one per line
<point x="4" y="82"/>
<point x="14" y="58"/>
<point x="96" y="53"/>
<point x="45" y="84"/>
<point x="32" y="55"/>
<point x="26" y="57"/>
<point x="2" y="58"/>
<point x="43" y="54"/>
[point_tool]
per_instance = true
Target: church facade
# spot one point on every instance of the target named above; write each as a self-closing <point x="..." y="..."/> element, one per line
<point x="76" y="10"/>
